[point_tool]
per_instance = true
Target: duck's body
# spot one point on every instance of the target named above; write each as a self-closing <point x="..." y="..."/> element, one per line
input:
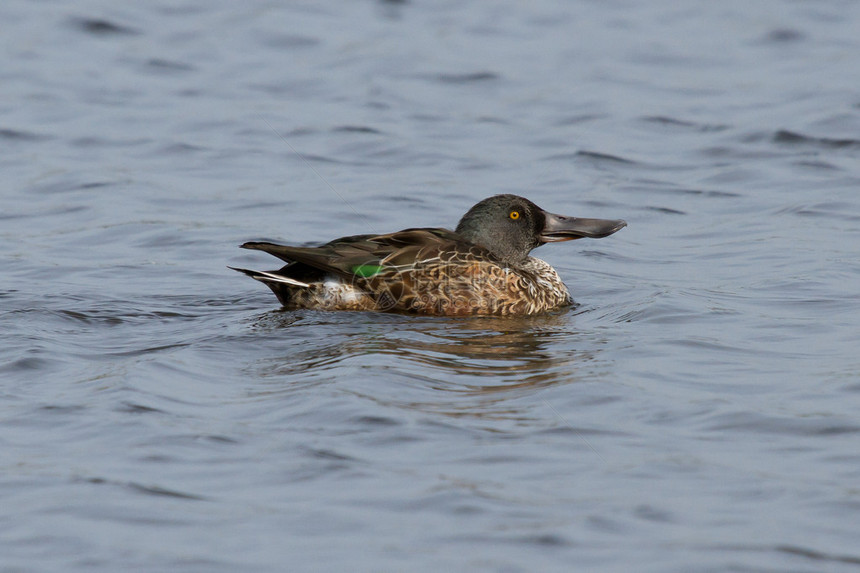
<point x="481" y="269"/>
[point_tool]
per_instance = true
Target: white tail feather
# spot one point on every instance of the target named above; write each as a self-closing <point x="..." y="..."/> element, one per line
<point x="271" y="277"/>
<point x="268" y="277"/>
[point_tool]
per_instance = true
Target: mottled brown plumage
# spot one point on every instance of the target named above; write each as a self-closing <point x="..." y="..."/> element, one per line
<point x="482" y="269"/>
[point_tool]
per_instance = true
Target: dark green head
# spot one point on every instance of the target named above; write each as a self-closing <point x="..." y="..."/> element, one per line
<point x="510" y="227"/>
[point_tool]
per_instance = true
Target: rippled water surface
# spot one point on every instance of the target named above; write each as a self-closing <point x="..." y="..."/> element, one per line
<point x="697" y="411"/>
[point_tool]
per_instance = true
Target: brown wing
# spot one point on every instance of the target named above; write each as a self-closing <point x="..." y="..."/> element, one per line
<point x="365" y="256"/>
<point x="429" y="271"/>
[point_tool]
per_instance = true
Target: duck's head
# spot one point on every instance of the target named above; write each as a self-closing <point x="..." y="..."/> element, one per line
<point x="510" y="227"/>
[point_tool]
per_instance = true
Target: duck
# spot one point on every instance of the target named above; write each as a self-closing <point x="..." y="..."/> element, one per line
<point x="483" y="267"/>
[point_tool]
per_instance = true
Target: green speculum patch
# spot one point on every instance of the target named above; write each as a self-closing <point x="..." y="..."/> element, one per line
<point x="366" y="271"/>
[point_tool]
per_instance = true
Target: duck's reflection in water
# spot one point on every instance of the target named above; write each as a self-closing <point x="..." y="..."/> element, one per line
<point x="457" y="367"/>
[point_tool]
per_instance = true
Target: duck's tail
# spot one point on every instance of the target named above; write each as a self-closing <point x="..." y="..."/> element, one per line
<point x="269" y="277"/>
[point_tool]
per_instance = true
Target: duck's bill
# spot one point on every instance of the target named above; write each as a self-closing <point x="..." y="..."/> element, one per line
<point x="560" y="228"/>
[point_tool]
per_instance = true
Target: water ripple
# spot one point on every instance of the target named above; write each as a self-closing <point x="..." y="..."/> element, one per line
<point x="101" y="27"/>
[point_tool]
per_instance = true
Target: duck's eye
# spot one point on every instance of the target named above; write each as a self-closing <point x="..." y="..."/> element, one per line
<point x="514" y="215"/>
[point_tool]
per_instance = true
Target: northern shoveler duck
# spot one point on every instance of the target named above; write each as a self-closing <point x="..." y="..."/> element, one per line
<point x="482" y="268"/>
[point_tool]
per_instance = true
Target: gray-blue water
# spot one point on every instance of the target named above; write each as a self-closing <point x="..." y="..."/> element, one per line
<point x="698" y="411"/>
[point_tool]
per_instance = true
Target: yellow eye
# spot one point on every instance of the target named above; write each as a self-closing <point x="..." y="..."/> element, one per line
<point x="514" y="215"/>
